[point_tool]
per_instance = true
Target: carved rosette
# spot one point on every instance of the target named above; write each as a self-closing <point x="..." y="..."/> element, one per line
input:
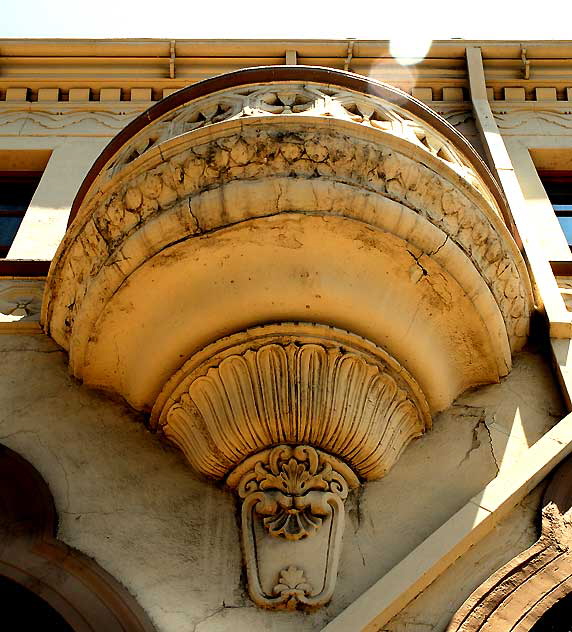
<point x="290" y="415"/>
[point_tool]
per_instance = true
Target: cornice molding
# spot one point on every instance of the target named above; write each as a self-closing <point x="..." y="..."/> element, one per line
<point x="292" y="151"/>
<point x="162" y="64"/>
<point x="135" y="196"/>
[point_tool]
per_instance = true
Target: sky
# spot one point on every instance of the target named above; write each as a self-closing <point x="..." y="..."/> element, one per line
<point x="307" y="19"/>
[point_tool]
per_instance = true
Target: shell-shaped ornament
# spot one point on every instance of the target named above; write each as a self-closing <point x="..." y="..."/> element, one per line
<point x="296" y="384"/>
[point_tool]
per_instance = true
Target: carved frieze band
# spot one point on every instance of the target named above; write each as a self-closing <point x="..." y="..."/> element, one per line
<point x="532" y="121"/>
<point x="340" y="394"/>
<point x="302" y="99"/>
<point x="72" y="122"/>
<point x="257" y="153"/>
<point x="20" y="300"/>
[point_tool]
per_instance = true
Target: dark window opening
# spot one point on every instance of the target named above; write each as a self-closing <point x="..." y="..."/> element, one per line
<point x="556" y="619"/>
<point x="24" y="610"/>
<point x="558" y="187"/>
<point x="16" y="191"/>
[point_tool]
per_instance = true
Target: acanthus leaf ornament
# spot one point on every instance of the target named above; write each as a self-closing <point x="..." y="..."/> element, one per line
<point x="292" y="586"/>
<point x="290" y="495"/>
<point x="293" y="490"/>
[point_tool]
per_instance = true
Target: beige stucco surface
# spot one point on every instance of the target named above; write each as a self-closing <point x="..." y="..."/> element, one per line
<point x="127" y="498"/>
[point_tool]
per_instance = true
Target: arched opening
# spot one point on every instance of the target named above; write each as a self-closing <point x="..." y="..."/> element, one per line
<point x="25" y="609"/>
<point x="45" y="584"/>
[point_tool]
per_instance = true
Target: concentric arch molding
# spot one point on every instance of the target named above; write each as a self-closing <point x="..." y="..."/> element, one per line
<point x="288" y="194"/>
<point x="518" y="595"/>
<point x="292" y="384"/>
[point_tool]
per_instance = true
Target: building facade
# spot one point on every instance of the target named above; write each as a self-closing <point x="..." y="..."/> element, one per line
<point x="285" y="331"/>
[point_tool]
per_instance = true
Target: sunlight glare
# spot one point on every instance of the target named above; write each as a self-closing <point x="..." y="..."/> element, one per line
<point x="409" y="50"/>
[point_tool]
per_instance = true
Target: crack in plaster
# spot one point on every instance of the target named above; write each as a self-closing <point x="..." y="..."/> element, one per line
<point x="476" y="441"/>
<point x="195" y="218"/>
<point x="214" y="614"/>
<point x="416" y="258"/>
<point x="434" y="252"/>
<point x="411" y="625"/>
<point x="16" y="433"/>
<point x="483" y="422"/>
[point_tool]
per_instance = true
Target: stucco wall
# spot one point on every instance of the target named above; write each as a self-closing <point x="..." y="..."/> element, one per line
<point x="127" y="498"/>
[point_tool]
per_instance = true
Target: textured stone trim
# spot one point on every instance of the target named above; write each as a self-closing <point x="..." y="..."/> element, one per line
<point x="298" y="73"/>
<point x="173" y="176"/>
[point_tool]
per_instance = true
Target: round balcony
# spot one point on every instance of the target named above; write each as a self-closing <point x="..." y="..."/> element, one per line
<point x="288" y="195"/>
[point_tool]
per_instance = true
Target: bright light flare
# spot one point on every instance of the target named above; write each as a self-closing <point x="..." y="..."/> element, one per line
<point x="408" y="50"/>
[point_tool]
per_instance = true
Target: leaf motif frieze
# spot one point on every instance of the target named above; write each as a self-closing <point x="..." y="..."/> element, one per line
<point x="292" y="487"/>
<point x="74" y="122"/>
<point x="20" y="300"/>
<point x="261" y="152"/>
<point x="296" y="100"/>
<point x="517" y="120"/>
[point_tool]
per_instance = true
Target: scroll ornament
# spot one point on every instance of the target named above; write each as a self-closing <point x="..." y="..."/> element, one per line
<point x="291" y="494"/>
<point x="293" y="490"/>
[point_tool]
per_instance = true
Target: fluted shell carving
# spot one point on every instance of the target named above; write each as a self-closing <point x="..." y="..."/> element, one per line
<point x="345" y="401"/>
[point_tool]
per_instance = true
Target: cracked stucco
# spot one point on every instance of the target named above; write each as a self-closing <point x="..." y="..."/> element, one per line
<point x="129" y="500"/>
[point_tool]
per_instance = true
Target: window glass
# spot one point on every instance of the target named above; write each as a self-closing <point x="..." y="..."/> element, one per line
<point x="16" y="191"/>
<point x="558" y="186"/>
